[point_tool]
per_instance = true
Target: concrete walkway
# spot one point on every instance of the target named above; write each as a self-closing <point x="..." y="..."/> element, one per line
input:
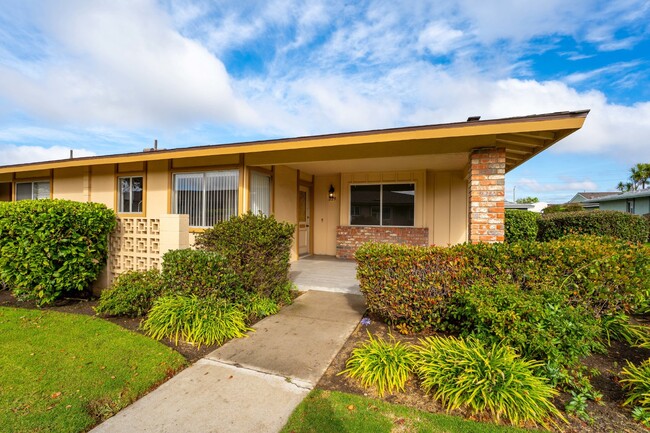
<point x="325" y="273"/>
<point x="250" y="384"/>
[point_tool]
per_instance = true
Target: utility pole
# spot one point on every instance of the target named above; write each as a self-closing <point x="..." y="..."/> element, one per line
<point x="514" y="197"/>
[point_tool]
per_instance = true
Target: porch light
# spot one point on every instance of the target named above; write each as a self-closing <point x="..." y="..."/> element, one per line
<point x="331" y="195"/>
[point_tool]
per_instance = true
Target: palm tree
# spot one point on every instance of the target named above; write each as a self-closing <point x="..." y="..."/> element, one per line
<point x="639" y="174"/>
<point x="623" y="187"/>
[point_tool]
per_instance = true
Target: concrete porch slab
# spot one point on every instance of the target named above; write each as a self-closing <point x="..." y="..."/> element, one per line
<point x="325" y="273"/>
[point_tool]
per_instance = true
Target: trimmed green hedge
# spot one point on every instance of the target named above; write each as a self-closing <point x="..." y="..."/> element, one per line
<point x="132" y="294"/>
<point x="633" y="228"/>
<point x="414" y="287"/>
<point x="201" y="273"/>
<point x="520" y="225"/>
<point x="52" y="247"/>
<point x="257" y="248"/>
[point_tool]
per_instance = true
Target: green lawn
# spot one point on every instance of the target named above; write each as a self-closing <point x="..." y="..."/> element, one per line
<point x="64" y="372"/>
<point x="330" y="411"/>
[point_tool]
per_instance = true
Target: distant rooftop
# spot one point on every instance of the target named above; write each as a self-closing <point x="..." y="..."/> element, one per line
<point x="622" y="196"/>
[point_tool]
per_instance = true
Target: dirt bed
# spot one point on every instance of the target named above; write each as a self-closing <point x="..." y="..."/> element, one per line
<point x="609" y="416"/>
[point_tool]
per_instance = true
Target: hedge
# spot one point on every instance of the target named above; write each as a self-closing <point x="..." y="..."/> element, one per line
<point x="414" y="287"/>
<point x="633" y="228"/>
<point x="257" y="248"/>
<point x="201" y="273"/>
<point x="49" y="248"/>
<point x="520" y="225"/>
<point x="131" y="294"/>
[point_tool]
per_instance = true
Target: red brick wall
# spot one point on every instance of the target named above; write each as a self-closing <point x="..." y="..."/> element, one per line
<point x="350" y="238"/>
<point x="487" y="195"/>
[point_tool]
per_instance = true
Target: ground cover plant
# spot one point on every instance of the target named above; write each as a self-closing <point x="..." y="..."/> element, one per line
<point x="200" y="321"/>
<point x="65" y="372"/>
<point x="335" y="412"/>
<point x="383" y="364"/>
<point x="52" y="247"/>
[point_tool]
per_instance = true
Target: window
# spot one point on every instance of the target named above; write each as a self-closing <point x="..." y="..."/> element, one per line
<point x="260" y="191"/>
<point x="131" y="190"/>
<point x="208" y="197"/>
<point x="32" y="190"/>
<point x="382" y="205"/>
<point x="630" y="206"/>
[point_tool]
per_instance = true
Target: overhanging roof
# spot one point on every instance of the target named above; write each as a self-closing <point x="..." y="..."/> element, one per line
<point x="622" y="196"/>
<point x="522" y="137"/>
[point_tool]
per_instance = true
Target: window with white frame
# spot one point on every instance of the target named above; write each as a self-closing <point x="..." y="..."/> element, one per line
<point x="131" y="194"/>
<point x="32" y="190"/>
<point x="207" y="197"/>
<point x="260" y="193"/>
<point x="382" y="204"/>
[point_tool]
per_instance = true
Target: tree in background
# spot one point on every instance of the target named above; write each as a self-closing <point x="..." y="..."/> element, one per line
<point x="639" y="175"/>
<point x="527" y="200"/>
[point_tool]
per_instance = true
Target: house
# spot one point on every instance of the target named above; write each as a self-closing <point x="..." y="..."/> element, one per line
<point x="435" y="184"/>
<point x="588" y="200"/>
<point x="518" y="206"/>
<point x="634" y="202"/>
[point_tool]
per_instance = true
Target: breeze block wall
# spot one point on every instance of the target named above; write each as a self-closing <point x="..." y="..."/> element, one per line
<point x="487" y="195"/>
<point x="350" y="238"/>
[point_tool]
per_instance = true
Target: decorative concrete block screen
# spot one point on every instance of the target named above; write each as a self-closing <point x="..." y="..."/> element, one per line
<point x="350" y="238"/>
<point x="139" y="243"/>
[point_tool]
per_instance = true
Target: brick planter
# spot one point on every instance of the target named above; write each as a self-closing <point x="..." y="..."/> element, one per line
<point x="350" y="238"/>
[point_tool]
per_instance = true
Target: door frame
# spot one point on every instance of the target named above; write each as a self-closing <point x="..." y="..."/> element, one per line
<point x="309" y="188"/>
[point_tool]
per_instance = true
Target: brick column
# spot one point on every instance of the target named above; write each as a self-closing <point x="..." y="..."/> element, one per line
<point x="486" y="195"/>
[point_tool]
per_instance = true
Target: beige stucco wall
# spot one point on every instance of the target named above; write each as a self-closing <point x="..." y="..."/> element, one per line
<point x="446" y="208"/>
<point x="285" y="197"/>
<point x="157" y="185"/>
<point x="326" y="214"/>
<point x="102" y="185"/>
<point x="71" y="184"/>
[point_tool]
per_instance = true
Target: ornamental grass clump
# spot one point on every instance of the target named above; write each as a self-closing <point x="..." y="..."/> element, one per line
<point x="383" y="364"/>
<point x="195" y="320"/>
<point x="484" y="378"/>
<point x="636" y="383"/>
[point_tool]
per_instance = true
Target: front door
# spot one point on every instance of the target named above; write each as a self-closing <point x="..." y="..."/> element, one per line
<point x="303" y="220"/>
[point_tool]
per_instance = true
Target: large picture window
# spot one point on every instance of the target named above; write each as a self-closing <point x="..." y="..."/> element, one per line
<point x="32" y="190"/>
<point x="131" y="193"/>
<point x="260" y="193"/>
<point x="207" y="197"/>
<point x="382" y="204"/>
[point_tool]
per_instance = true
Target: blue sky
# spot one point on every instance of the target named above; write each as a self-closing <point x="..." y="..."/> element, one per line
<point x="110" y="76"/>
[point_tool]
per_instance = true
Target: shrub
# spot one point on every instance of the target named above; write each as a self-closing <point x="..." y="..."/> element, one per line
<point x="410" y="287"/>
<point x="256" y="247"/>
<point x="132" y="294"/>
<point x="538" y="324"/>
<point x="52" y="247"/>
<point x="520" y="225"/>
<point x="566" y="207"/>
<point x="257" y="308"/>
<point x="636" y="382"/>
<point x="201" y="273"/>
<point x="196" y="320"/>
<point x="385" y="365"/>
<point x="618" y="327"/>
<point x="633" y="228"/>
<point x="484" y="378"/>
<point x="414" y="287"/>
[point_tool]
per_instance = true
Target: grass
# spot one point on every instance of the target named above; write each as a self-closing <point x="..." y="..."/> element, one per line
<point x="331" y="411"/>
<point x="65" y="373"/>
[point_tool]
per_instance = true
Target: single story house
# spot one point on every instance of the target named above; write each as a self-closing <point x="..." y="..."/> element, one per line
<point x="518" y="206"/>
<point x="634" y="202"/>
<point x="588" y="200"/>
<point x="434" y="184"/>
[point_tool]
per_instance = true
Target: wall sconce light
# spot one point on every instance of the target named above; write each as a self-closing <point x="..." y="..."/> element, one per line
<point x="331" y="193"/>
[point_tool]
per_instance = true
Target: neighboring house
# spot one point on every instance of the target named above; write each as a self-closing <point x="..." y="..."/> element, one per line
<point x="435" y="184"/>
<point x="635" y="202"/>
<point x="588" y="200"/>
<point x="518" y="206"/>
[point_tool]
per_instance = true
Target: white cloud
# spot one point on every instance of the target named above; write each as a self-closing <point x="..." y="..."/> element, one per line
<point x="122" y="63"/>
<point x="439" y="38"/>
<point x="566" y="185"/>
<point x="12" y="154"/>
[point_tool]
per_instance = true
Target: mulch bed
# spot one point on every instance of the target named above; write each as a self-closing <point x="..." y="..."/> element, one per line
<point x="609" y="416"/>
<point x="85" y="307"/>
